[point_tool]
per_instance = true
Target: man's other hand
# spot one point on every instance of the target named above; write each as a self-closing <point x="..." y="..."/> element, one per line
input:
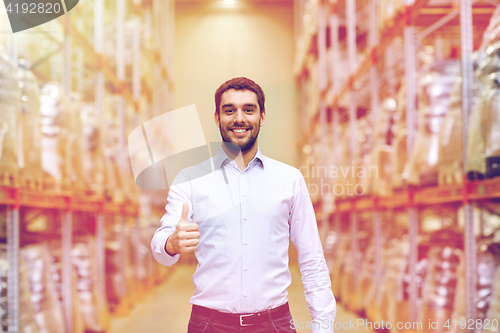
<point x="185" y="237"/>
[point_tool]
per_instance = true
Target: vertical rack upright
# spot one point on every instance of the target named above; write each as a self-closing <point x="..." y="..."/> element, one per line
<point x="99" y="101"/>
<point x="469" y="236"/>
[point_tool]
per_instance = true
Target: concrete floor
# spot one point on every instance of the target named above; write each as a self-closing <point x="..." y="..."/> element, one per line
<point x="167" y="309"/>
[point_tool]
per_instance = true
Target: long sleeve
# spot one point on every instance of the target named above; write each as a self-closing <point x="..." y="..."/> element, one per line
<point x="312" y="264"/>
<point x="177" y="195"/>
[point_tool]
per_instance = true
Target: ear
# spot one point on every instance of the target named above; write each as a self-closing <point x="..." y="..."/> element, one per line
<point x="217" y="119"/>
<point x="262" y="118"/>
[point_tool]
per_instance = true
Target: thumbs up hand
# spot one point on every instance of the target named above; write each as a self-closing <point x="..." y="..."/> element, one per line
<point x="186" y="237"/>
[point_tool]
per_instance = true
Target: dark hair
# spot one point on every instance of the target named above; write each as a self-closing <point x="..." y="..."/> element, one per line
<point x="240" y="83"/>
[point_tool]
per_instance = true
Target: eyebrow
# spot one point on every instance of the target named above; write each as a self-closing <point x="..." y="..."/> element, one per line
<point x="246" y="105"/>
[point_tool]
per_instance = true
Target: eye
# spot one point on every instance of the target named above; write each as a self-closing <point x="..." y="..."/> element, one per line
<point x="249" y="110"/>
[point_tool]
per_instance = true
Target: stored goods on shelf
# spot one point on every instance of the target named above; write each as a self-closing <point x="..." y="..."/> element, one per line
<point x="48" y="315"/>
<point x="435" y="89"/>
<point x="440" y="284"/>
<point x="494" y="310"/>
<point x="483" y="151"/>
<point x="10" y="99"/>
<point x="345" y="176"/>
<point x="313" y="87"/>
<point x="26" y="316"/>
<point x="119" y="273"/>
<point x="30" y="152"/>
<point x="390" y="300"/>
<point x="382" y="149"/>
<point x="130" y="262"/>
<point x="399" y="151"/>
<point x="56" y="271"/>
<point x="366" y="278"/>
<point x="56" y="137"/>
<point x="76" y="142"/>
<point x="450" y="140"/>
<point x="364" y="170"/>
<point x="93" y="305"/>
<point x="488" y="261"/>
<point x="93" y="158"/>
<point x="115" y="184"/>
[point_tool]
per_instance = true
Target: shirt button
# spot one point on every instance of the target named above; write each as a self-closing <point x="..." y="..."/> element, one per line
<point x="244" y="195"/>
<point x="245" y="295"/>
<point x="246" y="218"/>
<point x="246" y="243"/>
<point x="246" y="268"/>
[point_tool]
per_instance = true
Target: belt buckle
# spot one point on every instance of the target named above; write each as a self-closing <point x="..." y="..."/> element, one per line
<point x="241" y="319"/>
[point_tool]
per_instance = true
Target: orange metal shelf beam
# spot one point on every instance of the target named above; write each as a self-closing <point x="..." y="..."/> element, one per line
<point x="476" y="190"/>
<point x="63" y="201"/>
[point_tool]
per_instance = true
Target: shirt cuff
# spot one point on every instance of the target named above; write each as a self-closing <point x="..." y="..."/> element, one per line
<point x="166" y="251"/>
<point x="159" y="252"/>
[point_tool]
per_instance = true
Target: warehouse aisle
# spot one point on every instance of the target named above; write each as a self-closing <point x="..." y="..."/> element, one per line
<point x="167" y="309"/>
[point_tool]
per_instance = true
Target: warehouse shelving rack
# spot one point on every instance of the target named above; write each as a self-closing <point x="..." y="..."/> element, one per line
<point x="313" y="41"/>
<point x="157" y="94"/>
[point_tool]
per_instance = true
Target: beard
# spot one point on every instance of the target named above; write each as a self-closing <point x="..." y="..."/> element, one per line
<point x="236" y="145"/>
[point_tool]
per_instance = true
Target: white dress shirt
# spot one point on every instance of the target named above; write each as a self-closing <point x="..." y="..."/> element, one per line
<point x="245" y="220"/>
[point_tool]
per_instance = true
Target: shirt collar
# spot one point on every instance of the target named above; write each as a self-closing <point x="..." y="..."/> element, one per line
<point x="222" y="157"/>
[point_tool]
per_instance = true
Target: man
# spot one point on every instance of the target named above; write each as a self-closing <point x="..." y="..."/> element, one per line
<point x="244" y="213"/>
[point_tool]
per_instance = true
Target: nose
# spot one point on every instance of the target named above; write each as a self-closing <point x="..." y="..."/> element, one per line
<point x="239" y="117"/>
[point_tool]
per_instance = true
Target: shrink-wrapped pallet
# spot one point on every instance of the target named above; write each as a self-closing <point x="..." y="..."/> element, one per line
<point x="346" y="283"/>
<point x="403" y="306"/>
<point x="339" y="263"/>
<point x="450" y="140"/>
<point x="114" y="159"/>
<point x="115" y="279"/>
<point x="26" y="314"/>
<point x="398" y="158"/>
<point x="380" y="157"/>
<point x="391" y="294"/>
<point x="440" y="285"/>
<point x="76" y="142"/>
<point x="56" y="137"/>
<point x="488" y="261"/>
<point x="346" y="165"/>
<point x="364" y="169"/>
<point x="434" y="102"/>
<point x="55" y="258"/>
<point x="30" y="152"/>
<point x="48" y="315"/>
<point x="119" y="275"/>
<point x="10" y="99"/>
<point x="483" y="151"/>
<point x="313" y="87"/>
<point x="93" y="305"/>
<point x="128" y="231"/>
<point x="366" y="278"/>
<point x="493" y="313"/>
<point x="93" y="156"/>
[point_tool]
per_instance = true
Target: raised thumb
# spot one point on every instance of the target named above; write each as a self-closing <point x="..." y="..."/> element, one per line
<point x="185" y="212"/>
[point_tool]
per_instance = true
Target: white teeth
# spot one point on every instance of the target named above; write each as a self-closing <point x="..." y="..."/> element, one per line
<point x="239" y="130"/>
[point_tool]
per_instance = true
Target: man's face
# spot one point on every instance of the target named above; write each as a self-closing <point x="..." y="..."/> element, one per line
<point x="239" y="118"/>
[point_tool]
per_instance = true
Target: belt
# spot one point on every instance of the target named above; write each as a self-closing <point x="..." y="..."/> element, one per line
<point x="242" y="319"/>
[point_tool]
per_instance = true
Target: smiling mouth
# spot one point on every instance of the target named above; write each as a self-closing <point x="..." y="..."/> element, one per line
<point x="239" y="130"/>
